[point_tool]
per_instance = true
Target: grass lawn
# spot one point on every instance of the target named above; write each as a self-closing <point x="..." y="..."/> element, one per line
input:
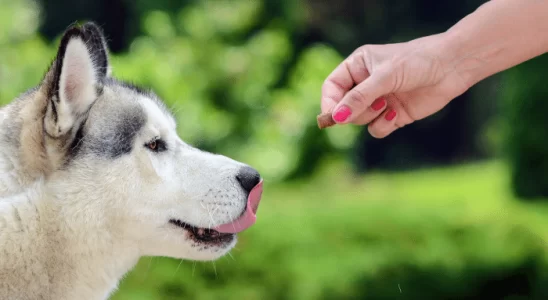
<point x="451" y="233"/>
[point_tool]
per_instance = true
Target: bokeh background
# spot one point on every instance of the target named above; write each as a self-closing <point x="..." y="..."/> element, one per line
<point x="452" y="207"/>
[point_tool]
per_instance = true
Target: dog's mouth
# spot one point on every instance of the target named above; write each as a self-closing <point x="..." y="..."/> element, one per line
<point x="225" y="233"/>
<point x="204" y="235"/>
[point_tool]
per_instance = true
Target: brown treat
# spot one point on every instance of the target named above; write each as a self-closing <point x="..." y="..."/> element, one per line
<point x="325" y="120"/>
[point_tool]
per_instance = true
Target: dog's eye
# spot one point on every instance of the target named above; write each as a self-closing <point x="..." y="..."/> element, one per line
<point x="156" y="145"/>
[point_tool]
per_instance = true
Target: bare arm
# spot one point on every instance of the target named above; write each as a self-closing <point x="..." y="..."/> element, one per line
<point x="498" y="35"/>
<point x="390" y="86"/>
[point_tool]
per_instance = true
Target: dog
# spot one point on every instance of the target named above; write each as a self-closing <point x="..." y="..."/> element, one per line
<point x="94" y="176"/>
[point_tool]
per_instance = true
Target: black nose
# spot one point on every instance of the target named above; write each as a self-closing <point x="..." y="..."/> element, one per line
<point x="248" y="178"/>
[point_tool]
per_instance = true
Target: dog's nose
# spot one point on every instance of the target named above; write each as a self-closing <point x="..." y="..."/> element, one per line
<point x="248" y="178"/>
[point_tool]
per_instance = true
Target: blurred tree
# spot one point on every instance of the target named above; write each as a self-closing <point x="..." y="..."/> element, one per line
<point x="113" y="15"/>
<point x="120" y="19"/>
<point x="276" y="58"/>
<point x="526" y="95"/>
<point x="449" y="136"/>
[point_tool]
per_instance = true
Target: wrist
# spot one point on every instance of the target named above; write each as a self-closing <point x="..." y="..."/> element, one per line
<point x="447" y="49"/>
<point x="465" y="58"/>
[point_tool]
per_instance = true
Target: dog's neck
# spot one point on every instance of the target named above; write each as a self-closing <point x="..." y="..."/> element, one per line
<point x="61" y="256"/>
<point x="22" y="149"/>
<point x="65" y="252"/>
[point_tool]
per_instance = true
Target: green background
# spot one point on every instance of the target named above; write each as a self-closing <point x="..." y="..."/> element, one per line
<point x="452" y="207"/>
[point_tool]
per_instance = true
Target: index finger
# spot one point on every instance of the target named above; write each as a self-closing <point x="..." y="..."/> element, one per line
<point x="346" y="75"/>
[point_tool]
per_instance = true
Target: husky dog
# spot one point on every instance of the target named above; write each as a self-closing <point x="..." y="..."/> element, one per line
<point x="93" y="176"/>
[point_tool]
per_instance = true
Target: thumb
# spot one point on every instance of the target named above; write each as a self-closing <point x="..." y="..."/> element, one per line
<point x="357" y="100"/>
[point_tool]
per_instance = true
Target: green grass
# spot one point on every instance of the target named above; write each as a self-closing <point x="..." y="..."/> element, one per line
<point x="432" y="234"/>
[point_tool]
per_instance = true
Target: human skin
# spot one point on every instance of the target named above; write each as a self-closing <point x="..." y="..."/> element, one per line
<point x="389" y="86"/>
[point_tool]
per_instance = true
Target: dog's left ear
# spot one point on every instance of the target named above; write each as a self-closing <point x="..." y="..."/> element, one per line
<point x="75" y="78"/>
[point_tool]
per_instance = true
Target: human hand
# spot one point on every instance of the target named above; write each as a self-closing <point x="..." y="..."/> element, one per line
<point x="390" y="86"/>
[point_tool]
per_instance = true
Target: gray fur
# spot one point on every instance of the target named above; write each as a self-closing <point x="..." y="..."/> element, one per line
<point x="125" y="118"/>
<point x="83" y="197"/>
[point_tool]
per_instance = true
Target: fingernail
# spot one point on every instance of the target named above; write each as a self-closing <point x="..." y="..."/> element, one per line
<point x="342" y="114"/>
<point x="390" y="115"/>
<point x="378" y="104"/>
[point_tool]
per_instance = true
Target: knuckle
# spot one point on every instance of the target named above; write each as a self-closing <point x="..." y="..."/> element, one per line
<point x="396" y="65"/>
<point x="398" y="60"/>
<point x="378" y="131"/>
<point x="325" y="85"/>
<point x="374" y="132"/>
<point x="365" y="50"/>
<point x="332" y="86"/>
<point x="364" y="55"/>
<point x="356" y="99"/>
<point x="392" y="75"/>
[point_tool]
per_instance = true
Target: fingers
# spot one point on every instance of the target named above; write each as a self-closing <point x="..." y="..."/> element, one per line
<point x="350" y="72"/>
<point x="360" y="98"/>
<point x="353" y="95"/>
<point x="395" y="116"/>
<point x="384" y="125"/>
<point x="372" y="112"/>
<point x="384" y="116"/>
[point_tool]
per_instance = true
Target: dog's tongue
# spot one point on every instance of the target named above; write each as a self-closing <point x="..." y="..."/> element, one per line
<point x="249" y="217"/>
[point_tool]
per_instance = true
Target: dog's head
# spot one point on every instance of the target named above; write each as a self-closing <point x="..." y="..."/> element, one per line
<point x="121" y="160"/>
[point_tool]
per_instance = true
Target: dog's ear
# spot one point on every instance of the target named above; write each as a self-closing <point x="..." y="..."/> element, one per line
<point x="75" y="78"/>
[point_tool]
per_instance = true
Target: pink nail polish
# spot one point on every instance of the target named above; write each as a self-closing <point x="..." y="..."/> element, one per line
<point x="378" y="104"/>
<point x="342" y="114"/>
<point x="390" y="115"/>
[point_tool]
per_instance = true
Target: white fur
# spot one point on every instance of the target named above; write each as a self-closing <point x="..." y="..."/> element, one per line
<point x="71" y="231"/>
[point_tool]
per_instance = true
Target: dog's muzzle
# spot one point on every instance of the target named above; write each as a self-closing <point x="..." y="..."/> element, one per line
<point x="248" y="218"/>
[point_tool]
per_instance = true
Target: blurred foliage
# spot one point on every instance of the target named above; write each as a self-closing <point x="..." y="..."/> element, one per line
<point x="225" y="94"/>
<point x="306" y="24"/>
<point x="525" y="95"/>
<point x="440" y="234"/>
<point x="24" y="56"/>
<point x="462" y="131"/>
<point x="243" y="78"/>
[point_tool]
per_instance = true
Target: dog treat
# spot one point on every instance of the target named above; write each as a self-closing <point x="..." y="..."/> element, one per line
<point x="325" y="120"/>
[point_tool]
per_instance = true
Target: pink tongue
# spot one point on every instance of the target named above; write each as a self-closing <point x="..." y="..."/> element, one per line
<point x="249" y="217"/>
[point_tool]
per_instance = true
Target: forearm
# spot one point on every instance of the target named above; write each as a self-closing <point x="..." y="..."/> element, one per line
<point x="497" y="36"/>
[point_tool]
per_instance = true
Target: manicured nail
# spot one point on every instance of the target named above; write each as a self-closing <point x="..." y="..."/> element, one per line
<point x="378" y="104"/>
<point x="390" y="115"/>
<point x="342" y="114"/>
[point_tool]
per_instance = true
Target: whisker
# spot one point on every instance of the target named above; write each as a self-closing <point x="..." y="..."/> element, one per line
<point x="148" y="269"/>
<point x="237" y="221"/>
<point x="176" y="270"/>
<point x="215" y="269"/>
<point x="210" y="218"/>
